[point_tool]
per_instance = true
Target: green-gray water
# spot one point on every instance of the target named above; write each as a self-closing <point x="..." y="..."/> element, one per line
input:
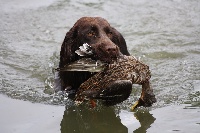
<point x="164" y="34"/>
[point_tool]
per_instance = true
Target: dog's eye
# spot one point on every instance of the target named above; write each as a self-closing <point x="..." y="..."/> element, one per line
<point x="109" y="34"/>
<point x="91" y="34"/>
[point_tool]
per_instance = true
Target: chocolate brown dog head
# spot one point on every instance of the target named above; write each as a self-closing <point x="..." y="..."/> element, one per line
<point x="105" y="40"/>
<point x="98" y="33"/>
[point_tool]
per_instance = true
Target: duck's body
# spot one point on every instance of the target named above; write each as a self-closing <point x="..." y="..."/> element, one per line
<point x="117" y="79"/>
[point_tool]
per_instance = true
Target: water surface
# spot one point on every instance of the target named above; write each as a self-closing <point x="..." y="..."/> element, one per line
<point x="163" y="34"/>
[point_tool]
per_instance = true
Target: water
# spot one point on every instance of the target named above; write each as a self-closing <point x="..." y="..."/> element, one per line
<point x="164" y="34"/>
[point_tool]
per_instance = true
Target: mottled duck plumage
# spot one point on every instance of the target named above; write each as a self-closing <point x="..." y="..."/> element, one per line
<point x="118" y="75"/>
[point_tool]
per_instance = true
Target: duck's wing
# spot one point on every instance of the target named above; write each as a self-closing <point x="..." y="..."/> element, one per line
<point x="84" y="64"/>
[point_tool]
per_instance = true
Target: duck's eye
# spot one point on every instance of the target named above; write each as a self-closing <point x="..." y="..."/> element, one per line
<point x="91" y="34"/>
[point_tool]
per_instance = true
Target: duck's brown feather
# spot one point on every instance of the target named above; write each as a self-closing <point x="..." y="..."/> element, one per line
<point x="124" y="68"/>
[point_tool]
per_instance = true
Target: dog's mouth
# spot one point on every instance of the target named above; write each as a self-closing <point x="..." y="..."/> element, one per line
<point x="88" y="52"/>
<point x="107" y="59"/>
<point x="91" y="61"/>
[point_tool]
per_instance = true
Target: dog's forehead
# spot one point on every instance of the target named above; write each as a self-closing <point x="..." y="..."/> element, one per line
<point x="92" y="21"/>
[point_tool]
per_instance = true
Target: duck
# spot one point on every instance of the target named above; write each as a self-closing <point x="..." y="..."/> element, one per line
<point x="113" y="83"/>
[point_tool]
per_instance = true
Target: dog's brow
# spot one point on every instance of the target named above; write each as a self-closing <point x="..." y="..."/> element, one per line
<point x="107" y="29"/>
<point x="93" y="27"/>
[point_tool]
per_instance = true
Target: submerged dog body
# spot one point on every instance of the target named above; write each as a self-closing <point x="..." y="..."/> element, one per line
<point x="105" y="41"/>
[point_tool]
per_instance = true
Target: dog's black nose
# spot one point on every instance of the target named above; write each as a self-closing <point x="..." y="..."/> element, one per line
<point x="112" y="50"/>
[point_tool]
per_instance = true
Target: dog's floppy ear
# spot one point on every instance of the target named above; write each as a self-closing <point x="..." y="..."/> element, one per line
<point x="120" y="42"/>
<point x="66" y="56"/>
<point x="69" y="45"/>
<point x="122" y="47"/>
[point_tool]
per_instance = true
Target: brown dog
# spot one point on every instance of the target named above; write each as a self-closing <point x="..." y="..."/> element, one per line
<point x="105" y="41"/>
